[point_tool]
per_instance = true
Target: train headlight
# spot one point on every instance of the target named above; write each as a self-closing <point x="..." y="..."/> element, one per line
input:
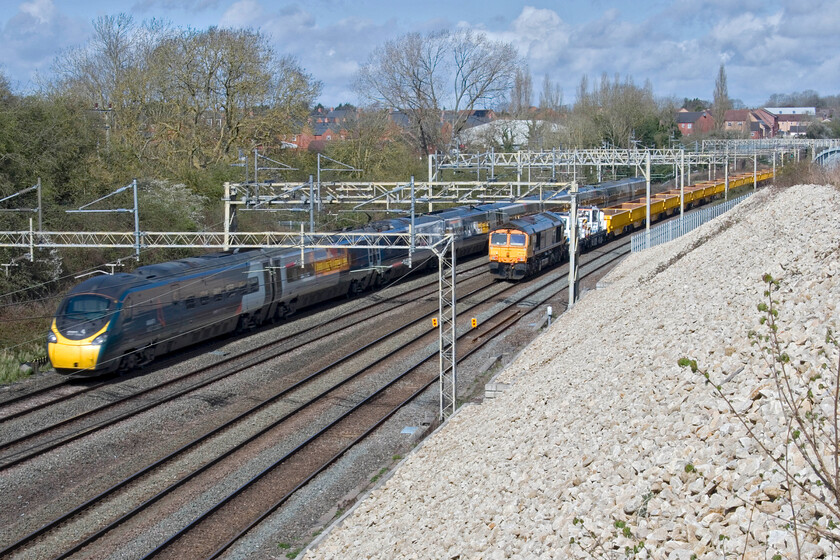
<point x="99" y="340"/>
<point x="51" y="338"/>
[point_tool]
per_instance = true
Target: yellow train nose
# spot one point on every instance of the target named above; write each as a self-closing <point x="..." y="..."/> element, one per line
<point x="73" y="354"/>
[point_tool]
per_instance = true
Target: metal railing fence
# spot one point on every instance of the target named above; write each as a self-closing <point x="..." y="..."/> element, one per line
<point x="677" y="227"/>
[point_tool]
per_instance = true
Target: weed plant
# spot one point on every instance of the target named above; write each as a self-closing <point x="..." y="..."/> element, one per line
<point x="812" y="429"/>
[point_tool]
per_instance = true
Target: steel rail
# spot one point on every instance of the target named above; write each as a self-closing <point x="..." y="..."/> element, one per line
<point x="399" y="377"/>
<point x="14" y="459"/>
<point x="62" y="519"/>
<point x="146" y="470"/>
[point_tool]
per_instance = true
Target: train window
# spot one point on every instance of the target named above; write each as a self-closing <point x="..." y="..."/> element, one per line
<point x="217" y="294"/>
<point x="517" y="239"/>
<point x="498" y="239"/>
<point x="190" y="302"/>
<point x="253" y="285"/>
<point x="203" y="298"/>
<point x="128" y="309"/>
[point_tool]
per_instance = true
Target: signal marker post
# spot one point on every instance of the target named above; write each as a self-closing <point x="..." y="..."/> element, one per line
<point x="573" y="246"/>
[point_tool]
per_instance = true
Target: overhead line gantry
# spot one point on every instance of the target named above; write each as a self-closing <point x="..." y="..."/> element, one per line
<point x="257" y="196"/>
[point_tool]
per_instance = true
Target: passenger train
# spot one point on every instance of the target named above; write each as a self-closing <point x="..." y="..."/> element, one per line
<point x="121" y="321"/>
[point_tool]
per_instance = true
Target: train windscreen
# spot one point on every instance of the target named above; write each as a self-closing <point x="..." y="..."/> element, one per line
<point x="498" y="239"/>
<point x="517" y="240"/>
<point x="83" y="315"/>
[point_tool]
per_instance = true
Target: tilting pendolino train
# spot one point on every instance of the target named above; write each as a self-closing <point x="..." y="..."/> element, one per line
<point x="518" y="249"/>
<point x="121" y="321"/>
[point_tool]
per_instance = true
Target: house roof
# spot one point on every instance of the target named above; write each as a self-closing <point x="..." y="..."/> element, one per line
<point x="339" y="114"/>
<point x="737" y="115"/>
<point x="791" y="110"/>
<point x="689" y="116"/>
<point x="400" y="118"/>
<point x="319" y="129"/>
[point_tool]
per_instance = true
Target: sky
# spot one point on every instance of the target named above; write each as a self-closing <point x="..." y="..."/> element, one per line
<point x="766" y="46"/>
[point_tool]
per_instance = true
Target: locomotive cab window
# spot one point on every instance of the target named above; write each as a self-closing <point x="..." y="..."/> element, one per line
<point x="517" y="239"/>
<point x="498" y="239"/>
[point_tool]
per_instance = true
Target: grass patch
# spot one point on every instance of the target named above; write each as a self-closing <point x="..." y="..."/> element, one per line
<point x="23" y="329"/>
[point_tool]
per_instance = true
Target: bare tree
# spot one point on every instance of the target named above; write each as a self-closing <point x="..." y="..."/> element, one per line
<point x="614" y="112"/>
<point x="422" y="75"/>
<point x="551" y="96"/>
<point x="226" y="88"/>
<point x="373" y="144"/>
<point x="187" y="97"/>
<point x="105" y="71"/>
<point x="404" y="74"/>
<point x="721" y="103"/>
<point x="521" y="93"/>
<point x="98" y="70"/>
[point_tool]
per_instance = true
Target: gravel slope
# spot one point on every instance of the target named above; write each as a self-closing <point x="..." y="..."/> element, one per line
<point x="600" y="425"/>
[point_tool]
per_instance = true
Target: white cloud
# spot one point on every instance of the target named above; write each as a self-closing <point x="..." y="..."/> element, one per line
<point x="31" y="38"/>
<point x="188" y="6"/>
<point x="245" y="13"/>
<point x="767" y="45"/>
<point x="331" y="52"/>
<point x="41" y="10"/>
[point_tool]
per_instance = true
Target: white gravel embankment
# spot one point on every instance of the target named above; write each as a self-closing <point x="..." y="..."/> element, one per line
<point x="601" y="425"/>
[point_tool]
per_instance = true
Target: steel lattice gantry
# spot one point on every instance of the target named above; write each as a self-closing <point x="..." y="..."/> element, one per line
<point x="765" y="145"/>
<point x="557" y="170"/>
<point x="379" y="196"/>
<point x="572" y="159"/>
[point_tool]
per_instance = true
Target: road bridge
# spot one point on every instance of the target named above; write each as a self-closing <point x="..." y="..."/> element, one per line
<point x="829" y="157"/>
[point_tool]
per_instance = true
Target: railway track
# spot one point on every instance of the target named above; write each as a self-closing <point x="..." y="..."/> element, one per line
<point x="18" y="402"/>
<point x="284" y="475"/>
<point x="15" y="450"/>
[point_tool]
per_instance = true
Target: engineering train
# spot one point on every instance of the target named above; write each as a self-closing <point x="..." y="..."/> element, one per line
<point x="115" y="323"/>
<point x="525" y="245"/>
<point x="519" y="249"/>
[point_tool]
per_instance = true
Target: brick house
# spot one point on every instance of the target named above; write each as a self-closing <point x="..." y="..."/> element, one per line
<point x="737" y="121"/>
<point x="752" y="123"/>
<point x="793" y="121"/>
<point x="694" y="122"/>
<point x="764" y="124"/>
